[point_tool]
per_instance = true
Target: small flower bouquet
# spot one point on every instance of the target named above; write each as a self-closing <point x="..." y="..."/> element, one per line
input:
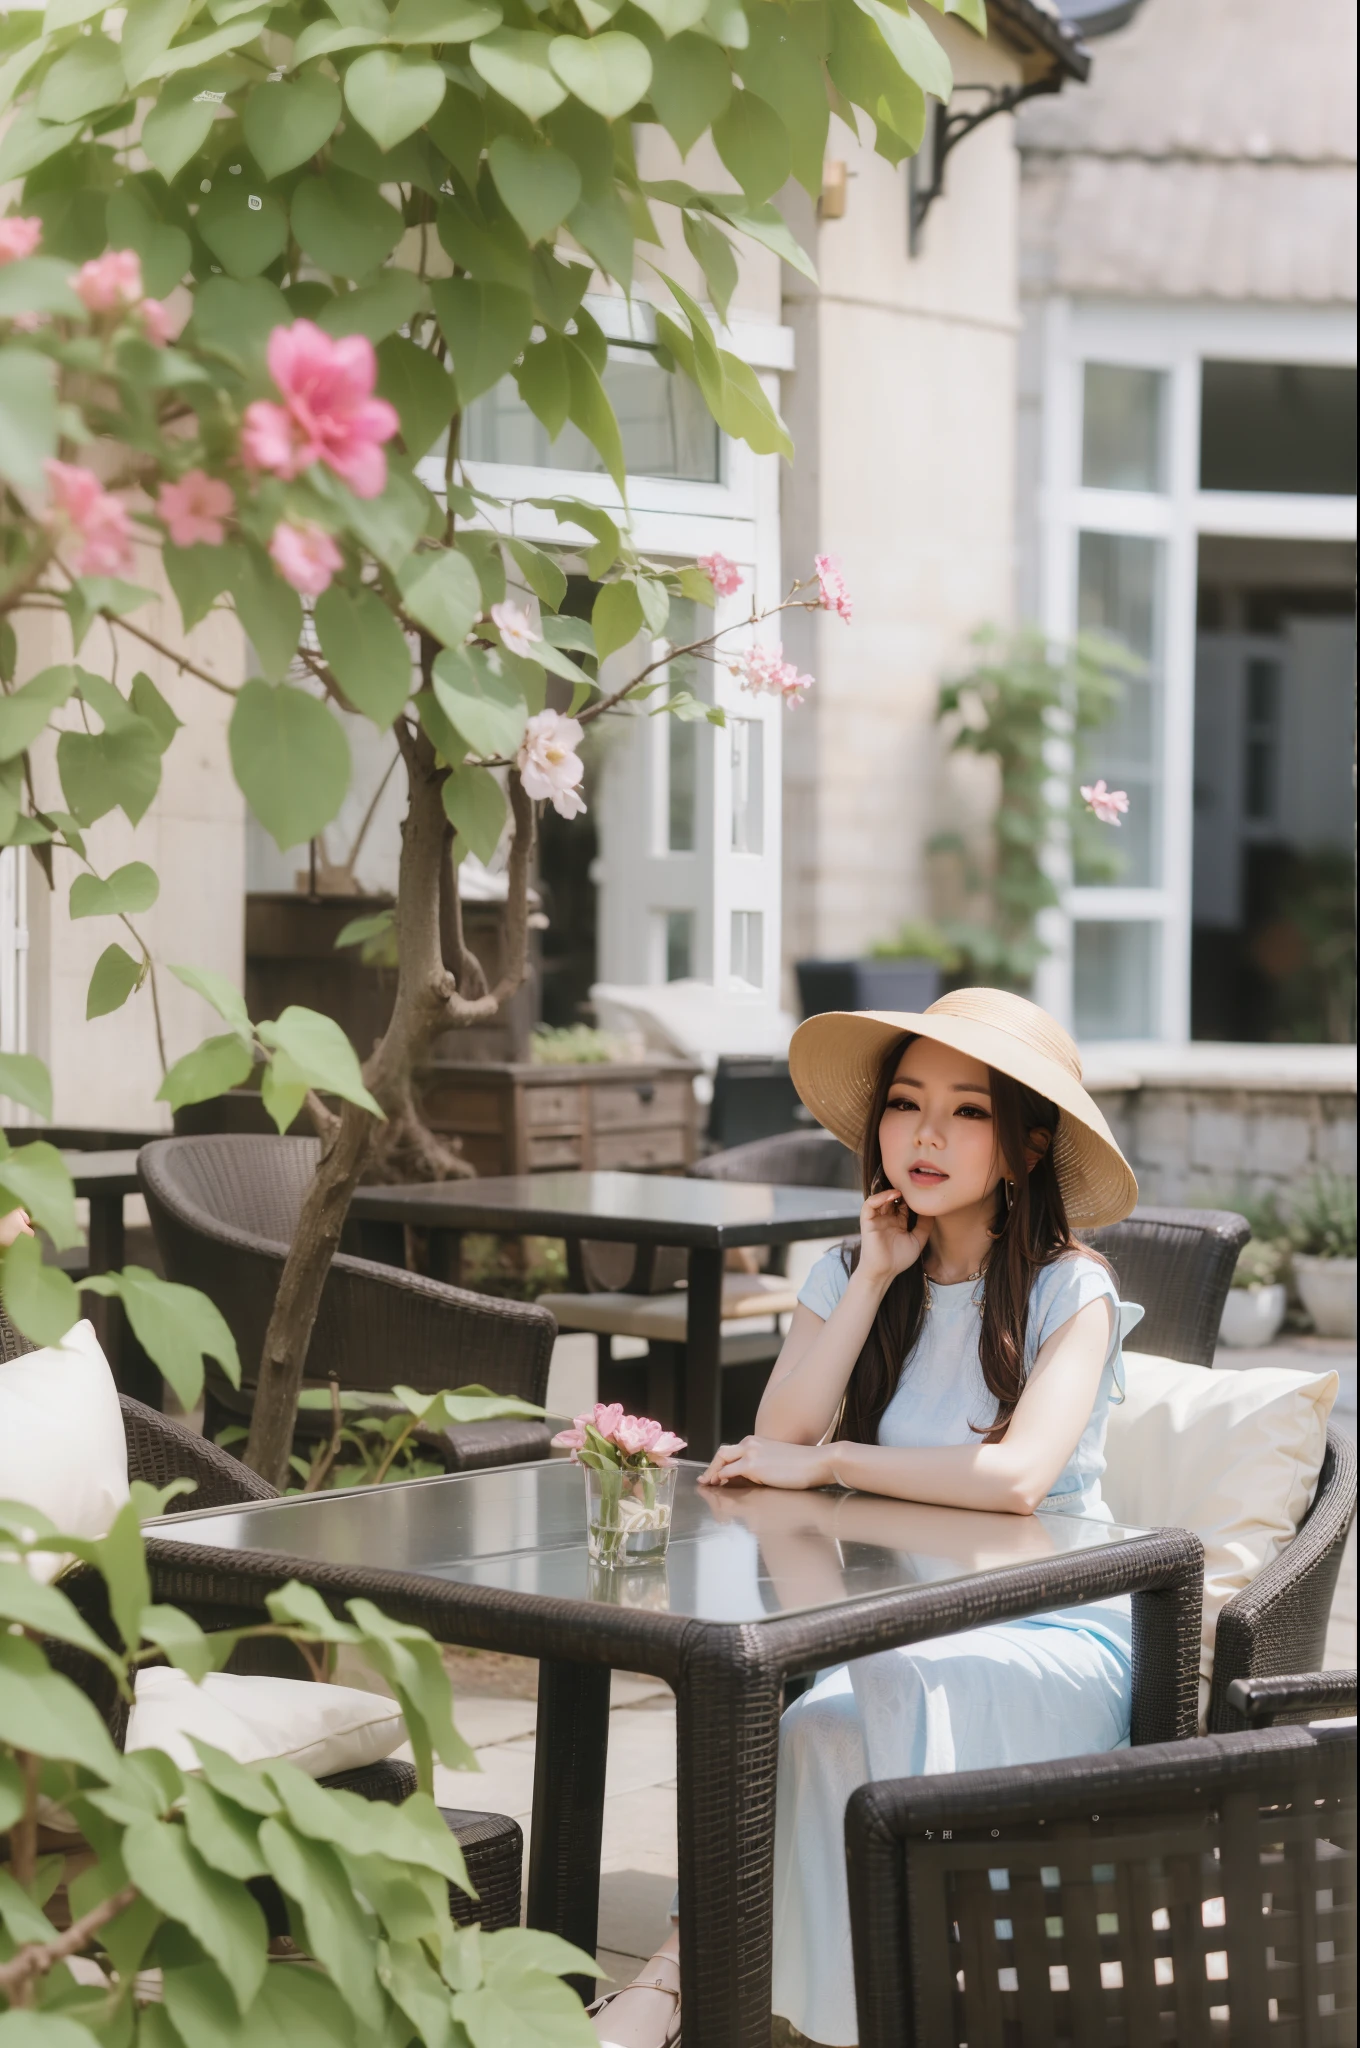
<point x="630" y="1483"/>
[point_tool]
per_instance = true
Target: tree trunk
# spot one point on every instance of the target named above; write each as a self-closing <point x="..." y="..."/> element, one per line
<point x="428" y="1001"/>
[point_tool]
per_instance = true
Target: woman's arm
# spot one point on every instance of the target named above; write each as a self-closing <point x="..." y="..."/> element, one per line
<point x="1012" y="1476"/>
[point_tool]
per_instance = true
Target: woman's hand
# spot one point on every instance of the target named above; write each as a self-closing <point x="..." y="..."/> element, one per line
<point x="16" y="1224"/>
<point x="765" y="1461"/>
<point x="889" y="1244"/>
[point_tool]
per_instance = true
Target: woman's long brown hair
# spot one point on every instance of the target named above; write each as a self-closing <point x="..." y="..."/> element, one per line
<point x="1030" y="1231"/>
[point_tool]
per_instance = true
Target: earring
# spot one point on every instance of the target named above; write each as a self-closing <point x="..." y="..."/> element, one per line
<point x="1008" y="1191"/>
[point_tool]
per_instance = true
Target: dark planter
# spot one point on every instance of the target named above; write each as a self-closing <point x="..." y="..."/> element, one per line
<point x="866" y="985"/>
<point x="753" y="1097"/>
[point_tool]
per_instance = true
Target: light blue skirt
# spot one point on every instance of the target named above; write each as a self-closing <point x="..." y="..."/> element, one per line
<point x="1021" y="1692"/>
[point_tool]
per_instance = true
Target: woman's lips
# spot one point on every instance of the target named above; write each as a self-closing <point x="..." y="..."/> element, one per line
<point x="927" y="1176"/>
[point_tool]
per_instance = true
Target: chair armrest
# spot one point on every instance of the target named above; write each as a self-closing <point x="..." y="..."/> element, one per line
<point x="160" y="1450"/>
<point x="475" y="1446"/>
<point x="1258" y="1702"/>
<point x="379" y="1327"/>
<point x="1279" y="1622"/>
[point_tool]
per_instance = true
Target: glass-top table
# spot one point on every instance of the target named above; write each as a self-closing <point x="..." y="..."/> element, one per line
<point x="707" y="1218"/>
<point x="757" y="1586"/>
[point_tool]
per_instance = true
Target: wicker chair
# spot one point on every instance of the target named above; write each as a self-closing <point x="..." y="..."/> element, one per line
<point x="224" y="1209"/>
<point x="1179" y="1264"/>
<point x="1190" y="1892"/>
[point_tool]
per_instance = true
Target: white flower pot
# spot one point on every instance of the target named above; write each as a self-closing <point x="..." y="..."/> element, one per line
<point x="1327" y="1289"/>
<point x="1252" y="1316"/>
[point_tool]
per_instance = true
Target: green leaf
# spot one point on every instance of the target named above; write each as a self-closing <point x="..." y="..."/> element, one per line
<point x="236" y="320"/>
<point x="442" y="21"/>
<point x="392" y="93"/>
<point x="321" y="1054"/>
<point x="187" y="1648"/>
<point x="38" y="284"/>
<point x="609" y="73"/>
<point x="269" y="609"/>
<point x="286" y="121"/>
<point x="764" y="224"/>
<point x="223" y="995"/>
<point x="28" y="415"/>
<point x="420" y="388"/>
<point x="37" y="1178"/>
<point x="199" y="50"/>
<point x="90" y="595"/>
<point x="474" y="691"/>
<point x="914" y="47"/>
<point x="152" y="709"/>
<point x="691" y="88"/>
<point x="220" y="1914"/>
<point x="25" y="712"/>
<point x="516" y="64"/>
<point x="209" y="1070"/>
<point x="576" y="512"/>
<point x="526" y="2009"/>
<point x="29" y="141"/>
<point x="128" y="889"/>
<point x="87" y="76"/>
<point x="175" y="1325"/>
<point x="344" y="224"/>
<point x="44" y="1713"/>
<point x="116" y="975"/>
<point x="177" y="126"/>
<point x="474" y="804"/>
<point x="540" y="185"/>
<point x="616" y="617"/>
<point x="544" y="382"/>
<point x="754" y="145"/>
<point x="716" y="258"/>
<point x="224" y="1835"/>
<point x="411" y="1663"/>
<point x="366" y="650"/>
<point x="118" y="769"/>
<point x="483" y="550"/>
<point x="673" y="16"/>
<point x="291" y="758"/>
<point x="440" y="591"/>
<point x="148" y="31"/>
<point x="338" y="1931"/>
<point x="594" y="415"/>
<point x="165" y="251"/>
<point x="234" y="1781"/>
<point x="45" y="1611"/>
<point x="45" y="2030"/>
<point x="376" y="309"/>
<point x="40" y="1299"/>
<point x="25" y="1080"/>
<point x="747" y="413"/>
<point x="244" y="237"/>
<point x="540" y="571"/>
<point x="323" y="38"/>
<point x="485" y="326"/>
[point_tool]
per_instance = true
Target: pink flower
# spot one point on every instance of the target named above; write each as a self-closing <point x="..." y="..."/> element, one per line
<point x="516" y="628"/>
<point x="725" y="576"/>
<point x="1106" y="803"/>
<point x="158" y="322"/>
<point x="111" y="283"/>
<point x="636" y="1434"/>
<point x="549" y="767"/>
<point x="329" y="413"/>
<point x="831" y="583"/>
<point x="82" y="510"/>
<point x="764" y="672"/>
<point x="18" y="237"/>
<point x="305" y="556"/>
<point x="572" y="1439"/>
<point x="665" y="1448"/>
<point x="194" y="508"/>
<point x="605" y="1419"/>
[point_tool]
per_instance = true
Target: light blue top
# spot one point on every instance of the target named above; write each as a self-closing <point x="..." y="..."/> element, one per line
<point x="942" y="1390"/>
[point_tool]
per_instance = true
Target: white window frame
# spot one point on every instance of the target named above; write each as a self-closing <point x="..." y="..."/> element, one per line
<point x="1176" y="340"/>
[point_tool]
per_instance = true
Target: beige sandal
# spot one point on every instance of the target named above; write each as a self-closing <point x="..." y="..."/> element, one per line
<point x="671" y="2037"/>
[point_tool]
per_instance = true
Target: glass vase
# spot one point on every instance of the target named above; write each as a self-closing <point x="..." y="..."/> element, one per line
<point x="628" y="1513"/>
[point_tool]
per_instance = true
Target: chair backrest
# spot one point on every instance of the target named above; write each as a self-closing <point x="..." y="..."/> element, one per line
<point x="794" y="1159"/>
<point x="1198" y="1891"/>
<point x="13" y="1343"/>
<point x="1179" y="1264"/>
<point x="254" y="1184"/>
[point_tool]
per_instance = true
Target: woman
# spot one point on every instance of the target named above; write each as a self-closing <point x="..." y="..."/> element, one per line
<point x="965" y="1353"/>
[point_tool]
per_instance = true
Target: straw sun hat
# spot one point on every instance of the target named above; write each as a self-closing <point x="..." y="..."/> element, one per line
<point x="835" y="1060"/>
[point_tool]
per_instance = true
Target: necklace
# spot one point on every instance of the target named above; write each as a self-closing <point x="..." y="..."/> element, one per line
<point x="963" y="1282"/>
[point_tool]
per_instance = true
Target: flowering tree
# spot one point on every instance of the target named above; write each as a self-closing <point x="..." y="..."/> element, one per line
<point x="263" y="259"/>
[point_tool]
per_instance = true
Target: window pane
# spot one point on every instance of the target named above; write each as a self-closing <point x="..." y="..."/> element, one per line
<point x="1277" y="427"/>
<point x="667" y="430"/>
<point x="682" y="780"/>
<point x="748" y="947"/>
<point x="1114" y="980"/>
<point x="748" y="785"/>
<point x="1120" y="596"/>
<point x="679" y="932"/>
<point x="1121" y="439"/>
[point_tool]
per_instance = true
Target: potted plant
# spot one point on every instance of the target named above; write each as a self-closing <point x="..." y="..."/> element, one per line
<point x="1322" y="1232"/>
<point x="1258" y="1297"/>
<point x="899" y="973"/>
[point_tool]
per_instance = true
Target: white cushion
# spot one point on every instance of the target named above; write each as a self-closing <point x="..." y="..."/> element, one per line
<point x="1235" y="1456"/>
<point x="62" y="1447"/>
<point x="320" y="1728"/>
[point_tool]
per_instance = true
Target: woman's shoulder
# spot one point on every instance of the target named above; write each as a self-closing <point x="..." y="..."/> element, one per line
<point x="827" y="1282"/>
<point x="1067" y="1284"/>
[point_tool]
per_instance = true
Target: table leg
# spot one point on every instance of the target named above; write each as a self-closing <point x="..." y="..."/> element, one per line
<point x="701" y="1395"/>
<point x="446" y="1257"/>
<point x="727" y="1727"/>
<point x="568" y="1820"/>
<point x="1166" y="1649"/>
<point x="106" y="1251"/>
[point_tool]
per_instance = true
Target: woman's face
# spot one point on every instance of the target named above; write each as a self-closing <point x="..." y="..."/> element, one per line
<point x="938" y="1134"/>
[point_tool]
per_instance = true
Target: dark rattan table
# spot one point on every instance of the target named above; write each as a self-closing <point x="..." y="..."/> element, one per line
<point x="705" y="1217"/>
<point x="758" y="1586"/>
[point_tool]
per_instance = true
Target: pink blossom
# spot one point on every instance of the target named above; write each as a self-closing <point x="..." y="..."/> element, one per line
<point x="831" y="584"/>
<point x="158" y="322"/>
<point x="329" y="413"/>
<point x="516" y="628"/>
<point x="1106" y="803"/>
<point x="82" y="510"/>
<point x="572" y="1439"/>
<point x="665" y="1448"/>
<point x="636" y="1434"/>
<point x="605" y="1419"/>
<point x="725" y="576"/>
<point x="19" y="237"/>
<point x="193" y="509"/>
<point x="764" y="671"/>
<point x="305" y="556"/>
<point x="549" y="766"/>
<point x="111" y="283"/>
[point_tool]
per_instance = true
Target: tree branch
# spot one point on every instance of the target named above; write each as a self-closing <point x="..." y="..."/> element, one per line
<point x="181" y="661"/>
<point x="37" y="1958"/>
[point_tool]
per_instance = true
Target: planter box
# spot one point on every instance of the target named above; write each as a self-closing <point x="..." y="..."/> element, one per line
<point x="866" y="985"/>
<point x="1252" y="1316"/>
<point x="1327" y="1290"/>
<point x="513" y="1117"/>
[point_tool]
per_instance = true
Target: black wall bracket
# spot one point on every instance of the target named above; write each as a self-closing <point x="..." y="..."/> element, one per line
<point x="948" y="129"/>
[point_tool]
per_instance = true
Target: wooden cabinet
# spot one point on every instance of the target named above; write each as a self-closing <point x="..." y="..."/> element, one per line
<point x="516" y="1118"/>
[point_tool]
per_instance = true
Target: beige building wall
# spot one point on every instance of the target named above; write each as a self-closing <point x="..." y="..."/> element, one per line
<point x="902" y="406"/>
